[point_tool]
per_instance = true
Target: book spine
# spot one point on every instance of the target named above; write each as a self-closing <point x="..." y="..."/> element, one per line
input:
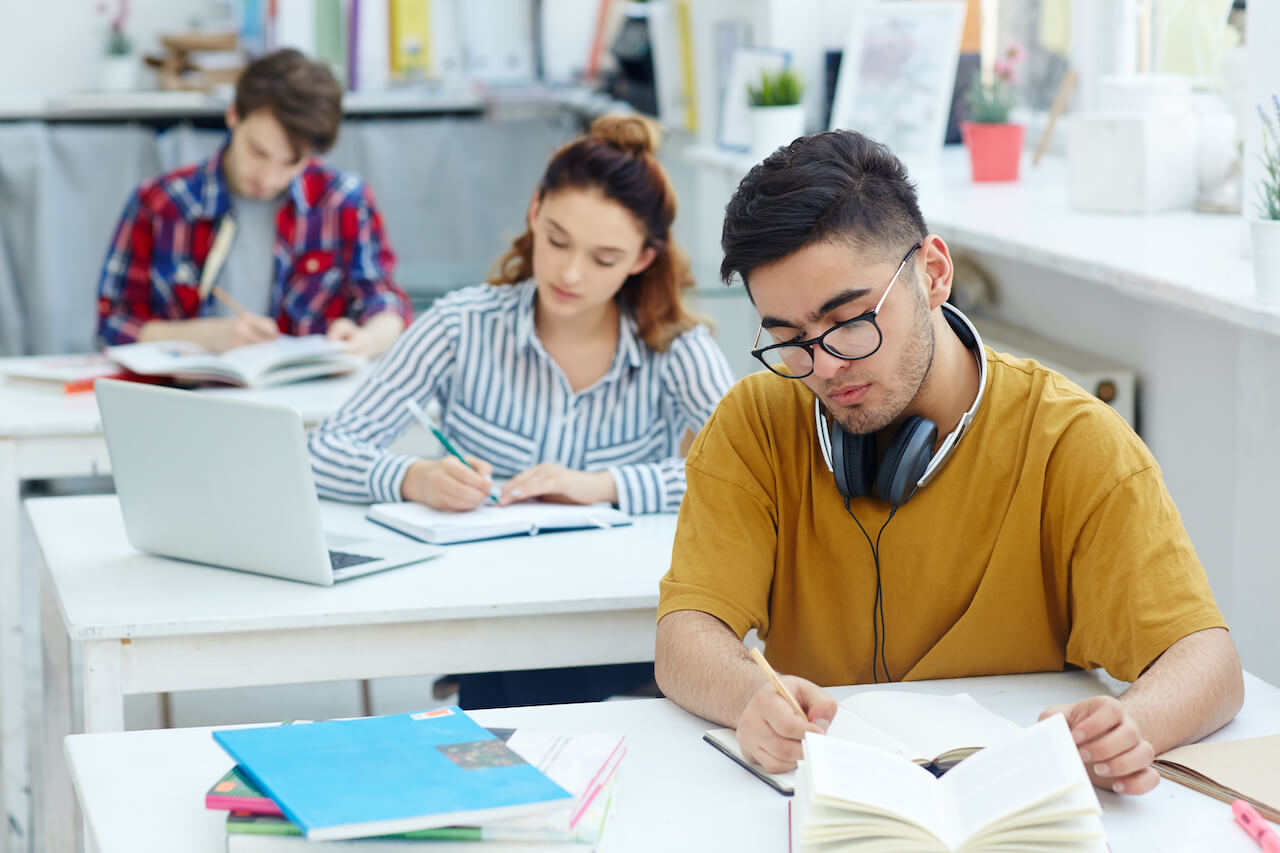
<point x="252" y="805"/>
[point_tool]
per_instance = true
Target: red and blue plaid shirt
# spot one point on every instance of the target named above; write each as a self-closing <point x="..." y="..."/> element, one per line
<point x="331" y="255"/>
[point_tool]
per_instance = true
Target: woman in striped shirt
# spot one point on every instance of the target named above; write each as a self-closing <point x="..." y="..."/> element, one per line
<point x="575" y="371"/>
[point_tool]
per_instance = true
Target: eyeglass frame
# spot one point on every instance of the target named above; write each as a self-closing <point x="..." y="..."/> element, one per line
<point x="867" y="317"/>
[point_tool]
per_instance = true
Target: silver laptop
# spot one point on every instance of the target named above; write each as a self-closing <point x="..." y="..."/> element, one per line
<point x="228" y="483"/>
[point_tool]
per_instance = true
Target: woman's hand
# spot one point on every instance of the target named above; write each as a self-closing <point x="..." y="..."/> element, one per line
<point x="447" y="484"/>
<point x="559" y="484"/>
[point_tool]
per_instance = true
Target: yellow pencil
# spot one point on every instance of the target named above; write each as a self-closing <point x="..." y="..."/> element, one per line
<point x="227" y="300"/>
<point x="777" y="682"/>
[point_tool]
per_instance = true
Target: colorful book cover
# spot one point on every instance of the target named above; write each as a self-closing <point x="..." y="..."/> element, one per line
<point x="233" y="792"/>
<point x="387" y="775"/>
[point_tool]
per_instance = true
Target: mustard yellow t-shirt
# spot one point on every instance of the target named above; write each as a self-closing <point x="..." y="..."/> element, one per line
<point x="1048" y="539"/>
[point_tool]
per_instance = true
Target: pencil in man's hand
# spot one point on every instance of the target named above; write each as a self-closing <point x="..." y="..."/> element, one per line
<point x="777" y="682"/>
<point x="229" y="301"/>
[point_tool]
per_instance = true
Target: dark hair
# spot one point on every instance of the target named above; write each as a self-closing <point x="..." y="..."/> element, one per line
<point x="617" y="158"/>
<point x="838" y="185"/>
<point x="302" y="95"/>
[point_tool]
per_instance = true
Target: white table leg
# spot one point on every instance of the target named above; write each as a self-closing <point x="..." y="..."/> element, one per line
<point x="16" y="785"/>
<point x="103" y="691"/>
<point x="55" y="800"/>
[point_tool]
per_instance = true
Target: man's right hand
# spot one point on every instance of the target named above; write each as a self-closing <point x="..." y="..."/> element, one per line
<point x="769" y="731"/>
<point x="447" y="484"/>
<point x="245" y="329"/>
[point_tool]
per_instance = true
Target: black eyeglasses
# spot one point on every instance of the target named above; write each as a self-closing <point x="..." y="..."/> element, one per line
<point x="850" y="340"/>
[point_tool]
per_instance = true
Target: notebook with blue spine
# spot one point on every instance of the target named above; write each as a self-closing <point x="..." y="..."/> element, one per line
<point x="385" y="775"/>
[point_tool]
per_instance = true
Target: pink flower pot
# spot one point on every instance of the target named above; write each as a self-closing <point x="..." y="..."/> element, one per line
<point x="994" y="149"/>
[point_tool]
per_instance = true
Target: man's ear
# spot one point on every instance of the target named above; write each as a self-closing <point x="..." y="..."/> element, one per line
<point x="937" y="271"/>
<point x="232" y="117"/>
<point x="647" y="256"/>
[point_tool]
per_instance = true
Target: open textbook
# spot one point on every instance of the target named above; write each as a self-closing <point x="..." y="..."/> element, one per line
<point x="1229" y="770"/>
<point x="490" y="522"/>
<point x="935" y="731"/>
<point x="283" y="360"/>
<point x="1028" y="793"/>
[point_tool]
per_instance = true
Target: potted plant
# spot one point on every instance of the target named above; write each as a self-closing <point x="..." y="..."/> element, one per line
<point x="1265" y="228"/>
<point x="777" y="116"/>
<point x="119" y="69"/>
<point x="994" y="143"/>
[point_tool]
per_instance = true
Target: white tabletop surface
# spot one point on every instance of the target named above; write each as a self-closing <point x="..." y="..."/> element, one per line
<point x="107" y="589"/>
<point x="41" y="409"/>
<point x="675" y="792"/>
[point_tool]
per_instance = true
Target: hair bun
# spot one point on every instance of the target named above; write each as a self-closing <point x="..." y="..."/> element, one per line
<point x="631" y="133"/>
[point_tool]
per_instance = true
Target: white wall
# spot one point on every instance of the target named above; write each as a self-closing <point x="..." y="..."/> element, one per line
<point x="51" y="47"/>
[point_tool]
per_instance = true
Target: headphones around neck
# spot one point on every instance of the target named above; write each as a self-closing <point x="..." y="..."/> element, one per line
<point x="909" y="461"/>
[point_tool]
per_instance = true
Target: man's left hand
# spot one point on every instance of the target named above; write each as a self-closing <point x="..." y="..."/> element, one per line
<point x="1114" y="752"/>
<point x="357" y="340"/>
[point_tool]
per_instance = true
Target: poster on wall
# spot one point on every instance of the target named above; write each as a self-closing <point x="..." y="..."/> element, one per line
<point x="898" y="72"/>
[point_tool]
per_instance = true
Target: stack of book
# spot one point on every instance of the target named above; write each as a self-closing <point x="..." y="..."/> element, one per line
<point x="434" y="779"/>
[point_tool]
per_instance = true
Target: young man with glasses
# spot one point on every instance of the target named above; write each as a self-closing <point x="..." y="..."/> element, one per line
<point x="895" y="502"/>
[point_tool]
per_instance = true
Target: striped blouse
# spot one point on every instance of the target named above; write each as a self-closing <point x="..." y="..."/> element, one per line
<point x="504" y="399"/>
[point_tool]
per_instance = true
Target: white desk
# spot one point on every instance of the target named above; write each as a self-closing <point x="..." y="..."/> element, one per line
<point x="148" y="624"/>
<point x="676" y="793"/>
<point x="45" y="433"/>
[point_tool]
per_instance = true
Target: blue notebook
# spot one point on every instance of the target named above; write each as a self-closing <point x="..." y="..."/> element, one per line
<point x="385" y="775"/>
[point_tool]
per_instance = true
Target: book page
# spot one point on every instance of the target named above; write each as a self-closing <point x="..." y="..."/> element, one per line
<point x="1245" y="766"/>
<point x="850" y="776"/>
<point x="1034" y="768"/>
<point x="163" y="358"/>
<point x="254" y="361"/>
<point x="927" y="724"/>
<point x="850" y="726"/>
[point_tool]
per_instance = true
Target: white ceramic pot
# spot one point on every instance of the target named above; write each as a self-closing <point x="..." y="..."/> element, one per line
<point x="773" y="127"/>
<point x="118" y="73"/>
<point x="1266" y="259"/>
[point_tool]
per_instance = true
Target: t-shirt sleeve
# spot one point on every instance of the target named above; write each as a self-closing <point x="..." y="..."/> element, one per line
<point x="722" y="562"/>
<point x="1136" y="584"/>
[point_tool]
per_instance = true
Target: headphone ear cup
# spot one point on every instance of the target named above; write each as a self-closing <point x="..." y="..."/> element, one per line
<point x="905" y="460"/>
<point x="853" y="461"/>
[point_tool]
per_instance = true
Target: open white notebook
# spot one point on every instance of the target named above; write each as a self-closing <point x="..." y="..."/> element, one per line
<point x="935" y="731"/>
<point x="490" y="522"/>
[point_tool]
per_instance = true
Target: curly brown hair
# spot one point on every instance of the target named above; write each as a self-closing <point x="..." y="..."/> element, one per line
<point x="616" y="157"/>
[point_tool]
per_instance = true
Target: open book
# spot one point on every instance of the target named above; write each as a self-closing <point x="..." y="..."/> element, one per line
<point x="490" y="522"/>
<point x="1229" y="770"/>
<point x="934" y="731"/>
<point x="283" y="360"/>
<point x="1029" y="793"/>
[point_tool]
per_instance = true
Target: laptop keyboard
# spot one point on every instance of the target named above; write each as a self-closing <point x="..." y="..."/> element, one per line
<point x="340" y="560"/>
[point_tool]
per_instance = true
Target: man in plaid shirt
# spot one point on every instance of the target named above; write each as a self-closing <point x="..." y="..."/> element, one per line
<point x="307" y="252"/>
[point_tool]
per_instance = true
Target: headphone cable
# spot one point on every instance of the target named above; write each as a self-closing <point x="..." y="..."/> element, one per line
<point x="878" y="632"/>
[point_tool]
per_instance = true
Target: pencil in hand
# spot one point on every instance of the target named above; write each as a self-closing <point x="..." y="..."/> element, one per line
<point x="229" y="301"/>
<point x="778" y="686"/>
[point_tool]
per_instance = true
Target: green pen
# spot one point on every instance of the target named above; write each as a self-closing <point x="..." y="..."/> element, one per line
<point x="421" y="416"/>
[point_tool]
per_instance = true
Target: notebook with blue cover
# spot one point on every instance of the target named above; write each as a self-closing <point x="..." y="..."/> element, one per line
<point x="385" y="775"/>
